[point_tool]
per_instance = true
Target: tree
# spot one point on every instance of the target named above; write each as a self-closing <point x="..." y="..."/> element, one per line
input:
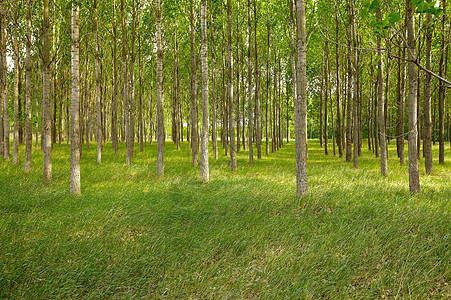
<point x="414" y="176"/>
<point x="75" y="185"/>
<point x="249" y="85"/>
<point x="427" y="141"/>
<point x="28" y="99"/>
<point x="47" y="109"/>
<point x="160" y="100"/>
<point x="98" y="79"/>
<point x="194" y="105"/>
<point x="441" y="94"/>
<point x="383" y="137"/>
<point x="204" y="167"/>
<point x="15" y="39"/>
<point x="230" y="87"/>
<point x="300" y="104"/>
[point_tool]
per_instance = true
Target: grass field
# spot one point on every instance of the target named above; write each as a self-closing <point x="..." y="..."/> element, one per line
<point x="241" y="235"/>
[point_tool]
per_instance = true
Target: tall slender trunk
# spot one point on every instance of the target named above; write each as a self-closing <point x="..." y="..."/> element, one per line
<point x="339" y="136"/>
<point x="237" y="86"/>
<point x="401" y="90"/>
<point x="257" y="89"/>
<point x="268" y="80"/>
<point x="293" y="62"/>
<point x="125" y="95"/>
<point x="15" y="39"/>
<point x="2" y="71"/>
<point x="230" y="87"/>
<point x="213" y="93"/>
<point x="131" y="98"/>
<point x="47" y="123"/>
<point x="75" y="105"/>
<point x="114" y="134"/>
<point x="28" y="99"/>
<point x="249" y="86"/>
<point x="427" y="139"/>
<point x="441" y="92"/>
<point x="355" y="96"/>
<point x="194" y="104"/>
<point x="300" y="105"/>
<point x="160" y="100"/>
<point x="141" y="92"/>
<point x="321" y="100"/>
<point x="326" y="97"/>
<point x="414" y="176"/>
<point x="204" y="167"/>
<point x="383" y="137"/>
<point x="98" y="88"/>
<point x="349" y="94"/>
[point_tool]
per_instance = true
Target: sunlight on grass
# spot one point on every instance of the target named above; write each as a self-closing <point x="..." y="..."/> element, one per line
<point x="243" y="234"/>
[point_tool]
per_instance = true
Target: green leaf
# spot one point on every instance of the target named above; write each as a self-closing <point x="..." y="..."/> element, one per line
<point x="364" y="14"/>
<point x="394" y="17"/>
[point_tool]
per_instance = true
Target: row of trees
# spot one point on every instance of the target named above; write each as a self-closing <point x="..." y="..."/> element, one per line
<point x="140" y="59"/>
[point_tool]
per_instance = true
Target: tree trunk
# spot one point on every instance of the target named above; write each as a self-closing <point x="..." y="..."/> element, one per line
<point x="98" y="88"/>
<point x="125" y="95"/>
<point x="300" y="105"/>
<point x="75" y="105"/>
<point x="114" y="133"/>
<point x="15" y="39"/>
<point x="414" y="176"/>
<point x="230" y="87"/>
<point x="4" y="91"/>
<point x="400" y="106"/>
<point x="293" y="61"/>
<point x="213" y="93"/>
<point x="349" y="96"/>
<point x="268" y="81"/>
<point x="28" y="99"/>
<point x="326" y="97"/>
<point x="383" y="137"/>
<point x="427" y="139"/>
<point x="339" y="136"/>
<point x="47" y="122"/>
<point x="249" y="86"/>
<point x="194" y="104"/>
<point x="257" y="88"/>
<point x="2" y="71"/>
<point x="160" y="100"/>
<point x="441" y="92"/>
<point x="237" y="86"/>
<point x="355" y="95"/>
<point x="204" y="167"/>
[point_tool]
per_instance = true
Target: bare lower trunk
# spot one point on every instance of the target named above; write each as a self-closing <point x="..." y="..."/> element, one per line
<point x="230" y="87"/>
<point x="249" y="87"/>
<point x="98" y="88"/>
<point x="114" y="133"/>
<point x="160" y="100"/>
<point x="204" y="166"/>
<point x="47" y="122"/>
<point x="427" y="139"/>
<point x="16" y="88"/>
<point x="300" y="105"/>
<point x="28" y="100"/>
<point x="414" y="176"/>
<point x="383" y="138"/>
<point x="441" y="99"/>
<point x="257" y="89"/>
<point x="75" y="105"/>
<point x="401" y="107"/>
<point x="194" y="104"/>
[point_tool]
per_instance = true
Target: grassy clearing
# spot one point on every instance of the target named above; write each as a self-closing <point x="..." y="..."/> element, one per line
<point x="241" y="235"/>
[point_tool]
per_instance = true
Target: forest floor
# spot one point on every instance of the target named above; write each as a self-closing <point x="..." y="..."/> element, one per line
<point x="241" y="235"/>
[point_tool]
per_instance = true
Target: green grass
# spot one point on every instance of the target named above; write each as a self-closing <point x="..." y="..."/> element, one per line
<point x="241" y="235"/>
